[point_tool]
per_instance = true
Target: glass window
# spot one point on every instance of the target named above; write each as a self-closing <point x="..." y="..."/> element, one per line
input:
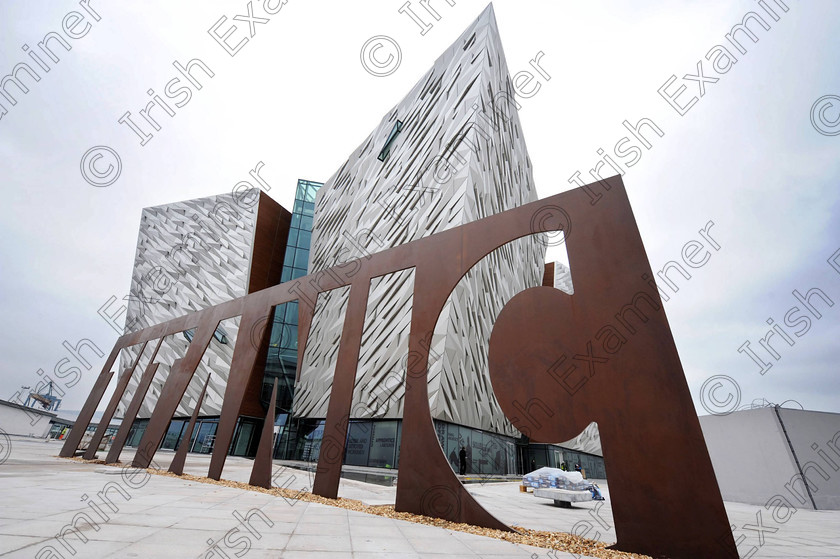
<point x="288" y="337"/>
<point x="479" y="452"/>
<point x="242" y="440"/>
<point x="277" y="326"/>
<point x="358" y="443"/>
<point x="312" y="443"/>
<point x="306" y="190"/>
<point x="173" y="434"/>
<point x="204" y="436"/>
<point x="136" y="432"/>
<point x="540" y="456"/>
<point x="289" y="258"/>
<point x="305" y="238"/>
<point x="498" y="454"/>
<point x="292" y="346"/>
<point x="291" y="312"/>
<point x="399" y="441"/>
<point x="465" y="435"/>
<point x="301" y="258"/>
<point x="305" y="222"/>
<point x="383" y="155"/>
<point x="453" y="446"/>
<point x="382" y="449"/>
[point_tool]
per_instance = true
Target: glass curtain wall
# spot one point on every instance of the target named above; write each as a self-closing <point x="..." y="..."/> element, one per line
<point x="204" y="435"/>
<point x="553" y="456"/>
<point x="281" y="362"/>
<point x="376" y="444"/>
<point x="487" y="453"/>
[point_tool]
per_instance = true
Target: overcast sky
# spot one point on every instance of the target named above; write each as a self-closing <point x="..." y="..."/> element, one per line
<point x="757" y="153"/>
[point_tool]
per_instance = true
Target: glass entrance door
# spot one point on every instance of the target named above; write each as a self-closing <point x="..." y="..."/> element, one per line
<point x="204" y="436"/>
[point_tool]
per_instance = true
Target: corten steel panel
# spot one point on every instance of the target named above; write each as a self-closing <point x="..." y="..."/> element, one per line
<point x="427" y="484"/>
<point x="82" y="422"/>
<point x="241" y="370"/>
<point x="142" y="460"/>
<point x="548" y="275"/>
<point x="90" y="454"/>
<point x="176" y="384"/>
<point x="271" y="233"/>
<point x="328" y="473"/>
<point x="133" y="407"/>
<point x="125" y="428"/>
<point x="177" y="464"/>
<point x="260" y="337"/>
<point x="606" y="354"/>
<point x="261" y="470"/>
<point x="133" y="338"/>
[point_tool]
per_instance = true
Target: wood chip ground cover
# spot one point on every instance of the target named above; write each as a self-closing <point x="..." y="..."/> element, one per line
<point x="559" y="541"/>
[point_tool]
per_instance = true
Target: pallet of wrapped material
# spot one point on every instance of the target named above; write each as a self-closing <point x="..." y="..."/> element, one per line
<point x="563" y="497"/>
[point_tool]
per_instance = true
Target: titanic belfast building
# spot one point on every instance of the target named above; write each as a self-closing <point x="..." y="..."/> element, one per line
<point x="451" y="152"/>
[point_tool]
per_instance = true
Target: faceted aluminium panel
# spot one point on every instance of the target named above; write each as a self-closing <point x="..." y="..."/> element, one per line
<point x="458" y="156"/>
<point x="588" y="441"/>
<point x="563" y="278"/>
<point x="379" y="392"/>
<point x="190" y="255"/>
<point x="321" y="350"/>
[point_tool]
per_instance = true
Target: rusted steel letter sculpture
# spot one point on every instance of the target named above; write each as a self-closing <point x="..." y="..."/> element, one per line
<point x="606" y="354"/>
<point x="557" y="362"/>
<point x="180" y="458"/>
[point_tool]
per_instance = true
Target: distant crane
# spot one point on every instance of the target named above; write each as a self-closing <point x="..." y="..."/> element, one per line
<point x="46" y="398"/>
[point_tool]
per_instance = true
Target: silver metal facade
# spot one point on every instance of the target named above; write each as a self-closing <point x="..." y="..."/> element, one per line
<point x="460" y="156"/>
<point x="190" y="255"/>
<point x="563" y="278"/>
<point x="588" y="441"/>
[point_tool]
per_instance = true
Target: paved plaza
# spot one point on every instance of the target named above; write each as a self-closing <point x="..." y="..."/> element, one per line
<point x="156" y="516"/>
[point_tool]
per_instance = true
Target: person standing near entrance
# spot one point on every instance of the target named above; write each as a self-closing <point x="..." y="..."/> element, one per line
<point x="462" y="457"/>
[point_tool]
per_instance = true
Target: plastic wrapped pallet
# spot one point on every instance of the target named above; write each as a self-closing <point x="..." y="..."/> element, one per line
<point x="556" y="478"/>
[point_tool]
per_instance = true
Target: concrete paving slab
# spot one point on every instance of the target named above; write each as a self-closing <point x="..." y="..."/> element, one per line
<point x="159" y="516"/>
<point x="90" y="549"/>
<point x="10" y="542"/>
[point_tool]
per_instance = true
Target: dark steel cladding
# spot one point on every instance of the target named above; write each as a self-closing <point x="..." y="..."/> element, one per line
<point x="133" y="407"/>
<point x="177" y="464"/>
<point x="261" y="471"/>
<point x="90" y="454"/>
